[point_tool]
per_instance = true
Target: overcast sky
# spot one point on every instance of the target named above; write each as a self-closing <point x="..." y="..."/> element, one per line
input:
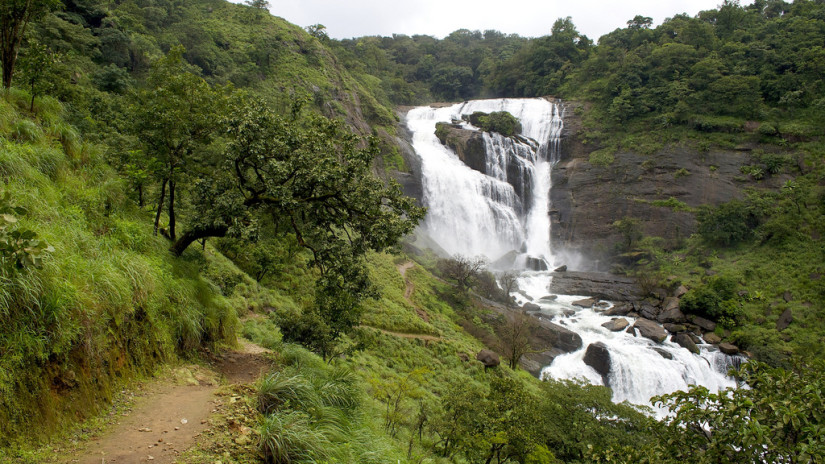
<point x="530" y="18"/>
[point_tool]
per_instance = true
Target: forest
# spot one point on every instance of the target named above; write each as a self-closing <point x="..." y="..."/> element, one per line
<point x="181" y="175"/>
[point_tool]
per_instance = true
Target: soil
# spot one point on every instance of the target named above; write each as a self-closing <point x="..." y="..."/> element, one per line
<point x="168" y="415"/>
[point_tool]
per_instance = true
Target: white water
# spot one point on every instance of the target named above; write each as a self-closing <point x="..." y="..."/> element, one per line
<point x="637" y="372"/>
<point x="474" y="214"/>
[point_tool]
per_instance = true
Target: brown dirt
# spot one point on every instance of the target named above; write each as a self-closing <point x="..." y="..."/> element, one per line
<point x="169" y="414"/>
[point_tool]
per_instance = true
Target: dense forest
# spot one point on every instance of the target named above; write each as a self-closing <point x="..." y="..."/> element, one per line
<point x="178" y="175"/>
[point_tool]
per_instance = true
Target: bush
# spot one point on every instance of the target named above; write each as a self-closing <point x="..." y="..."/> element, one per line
<point x="715" y="300"/>
<point x="728" y="224"/>
<point x="498" y="121"/>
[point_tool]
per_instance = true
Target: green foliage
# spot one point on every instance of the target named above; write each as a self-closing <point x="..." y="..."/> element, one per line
<point x="602" y="157"/>
<point x="501" y="122"/>
<point x="778" y="418"/>
<point x="715" y="300"/>
<point x="727" y="224"/>
<point x="19" y="248"/>
<point x="673" y="204"/>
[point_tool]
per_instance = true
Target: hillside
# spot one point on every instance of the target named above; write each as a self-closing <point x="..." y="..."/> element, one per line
<point x="184" y="178"/>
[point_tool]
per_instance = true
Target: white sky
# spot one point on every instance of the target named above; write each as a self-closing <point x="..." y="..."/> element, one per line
<point x="528" y="18"/>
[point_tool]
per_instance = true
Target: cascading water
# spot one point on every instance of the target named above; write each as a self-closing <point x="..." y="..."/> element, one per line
<point x="505" y="209"/>
<point x="472" y="213"/>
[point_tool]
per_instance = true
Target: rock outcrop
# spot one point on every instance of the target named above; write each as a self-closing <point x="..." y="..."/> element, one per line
<point x="598" y="357"/>
<point x="600" y="285"/>
<point x="488" y="358"/>
<point x="651" y="330"/>
<point x="685" y="341"/>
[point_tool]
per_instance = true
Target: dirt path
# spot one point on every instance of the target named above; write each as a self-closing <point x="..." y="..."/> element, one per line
<point x="168" y="416"/>
<point x="410" y="288"/>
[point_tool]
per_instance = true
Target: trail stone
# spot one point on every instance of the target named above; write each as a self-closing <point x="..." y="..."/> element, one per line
<point x="784" y="320"/>
<point x="616" y="325"/>
<point x="651" y="330"/>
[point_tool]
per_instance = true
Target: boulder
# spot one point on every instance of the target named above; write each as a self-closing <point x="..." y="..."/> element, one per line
<point x="685" y="341"/>
<point x="619" y="310"/>
<point x="536" y="264"/>
<point x="672" y="316"/>
<point x="531" y="307"/>
<point x="704" y="324"/>
<point x="598" y="357"/>
<point x="670" y="303"/>
<point x="601" y="305"/>
<point x="680" y="292"/>
<point x="648" y="310"/>
<point x="631" y="330"/>
<point x="784" y="320"/>
<point x="616" y="325"/>
<point x="787" y="296"/>
<point x="651" y="330"/>
<point x="663" y="352"/>
<point x="464" y="357"/>
<point x="674" y="328"/>
<point x="585" y="303"/>
<point x="728" y="349"/>
<point x="550" y="335"/>
<point x="569" y="313"/>
<point x="488" y="358"/>
<point x="548" y="299"/>
<point x="561" y="269"/>
<point x="712" y="338"/>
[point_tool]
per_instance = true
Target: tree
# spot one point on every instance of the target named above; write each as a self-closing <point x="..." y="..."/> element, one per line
<point x="259" y="4"/>
<point x="515" y="338"/>
<point x="177" y="116"/>
<point x="463" y="270"/>
<point x="15" y="16"/>
<point x="38" y="65"/>
<point x="311" y="177"/>
<point x="509" y="284"/>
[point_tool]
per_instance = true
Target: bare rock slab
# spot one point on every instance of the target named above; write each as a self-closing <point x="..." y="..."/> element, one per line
<point x="651" y="330"/>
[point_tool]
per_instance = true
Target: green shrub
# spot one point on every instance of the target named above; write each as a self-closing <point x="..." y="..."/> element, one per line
<point x="501" y="122"/>
<point x="602" y="158"/>
<point x="290" y="438"/>
<point x="727" y="224"/>
<point x="715" y="300"/>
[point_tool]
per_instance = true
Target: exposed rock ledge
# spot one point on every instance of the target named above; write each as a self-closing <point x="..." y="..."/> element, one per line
<point x="597" y="284"/>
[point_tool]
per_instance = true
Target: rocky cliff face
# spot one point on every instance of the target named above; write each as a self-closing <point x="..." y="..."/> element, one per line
<point x="587" y="199"/>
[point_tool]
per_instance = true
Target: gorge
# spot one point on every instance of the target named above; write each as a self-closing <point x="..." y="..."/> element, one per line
<point x="490" y="195"/>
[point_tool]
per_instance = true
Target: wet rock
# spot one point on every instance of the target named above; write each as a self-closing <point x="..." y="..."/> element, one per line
<point x="536" y="264"/>
<point x="631" y="330"/>
<point x="675" y="328"/>
<point x="569" y="313"/>
<point x="531" y="307"/>
<point x="651" y="330"/>
<point x="695" y="338"/>
<point x="488" y="358"/>
<point x="672" y="316"/>
<point x="784" y="320"/>
<point x="550" y="335"/>
<point x="561" y="269"/>
<point x="619" y="310"/>
<point x="685" y="341"/>
<point x="616" y="325"/>
<point x="598" y="357"/>
<point x="712" y="338"/>
<point x="728" y="349"/>
<point x="601" y="305"/>
<point x="600" y="285"/>
<point x="663" y="352"/>
<point x="585" y="303"/>
<point x="548" y="299"/>
<point x="648" y="310"/>
<point x="706" y="325"/>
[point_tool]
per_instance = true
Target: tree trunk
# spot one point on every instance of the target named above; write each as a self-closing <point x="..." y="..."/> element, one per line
<point x="140" y="195"/>
<point x="160" y="205"/>
<point x="172" y="235"/>
<point x="196" y="234"/>
<point x="9" y="57"/>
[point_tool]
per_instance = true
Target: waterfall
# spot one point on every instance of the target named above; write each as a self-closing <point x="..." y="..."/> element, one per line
<point x="505" y="209"/>
<point x="473" y="213"/>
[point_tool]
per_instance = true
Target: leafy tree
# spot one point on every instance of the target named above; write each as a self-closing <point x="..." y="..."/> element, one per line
<point x="727" y="224"/>
<point x="515" y="338"/>
<point x="38" y="66"/>
<point x="260" y="4"/>
<point x="177" y="116"/>
<point x="15" y="16"/>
